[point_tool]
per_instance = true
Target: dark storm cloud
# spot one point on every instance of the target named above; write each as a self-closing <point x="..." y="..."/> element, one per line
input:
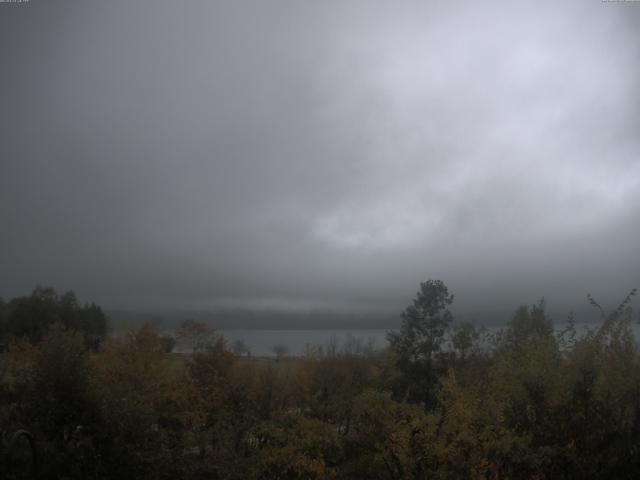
<point x="308" y="153"/>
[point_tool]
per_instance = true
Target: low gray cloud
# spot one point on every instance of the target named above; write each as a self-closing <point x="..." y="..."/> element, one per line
<point x="319" y="154"/>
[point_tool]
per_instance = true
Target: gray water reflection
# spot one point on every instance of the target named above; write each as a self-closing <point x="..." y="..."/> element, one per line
<point x="296" y="342"/>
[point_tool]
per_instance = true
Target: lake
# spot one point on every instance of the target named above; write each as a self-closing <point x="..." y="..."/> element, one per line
<point x="261" y="342"/>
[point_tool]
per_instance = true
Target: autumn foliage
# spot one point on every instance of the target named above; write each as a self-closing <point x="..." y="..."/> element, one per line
<point x="529" y="402"/>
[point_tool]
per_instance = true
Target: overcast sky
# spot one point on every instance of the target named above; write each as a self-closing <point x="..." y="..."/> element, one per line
<point x="320" y="154"/>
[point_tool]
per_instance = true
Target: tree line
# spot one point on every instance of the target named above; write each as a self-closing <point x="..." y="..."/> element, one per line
<point x="442" y="401"/>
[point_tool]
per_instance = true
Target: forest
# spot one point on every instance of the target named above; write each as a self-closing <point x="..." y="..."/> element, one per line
<point x="443" y="401"/>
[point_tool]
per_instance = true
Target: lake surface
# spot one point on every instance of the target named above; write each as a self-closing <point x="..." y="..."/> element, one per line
<point x="261" y="343"/>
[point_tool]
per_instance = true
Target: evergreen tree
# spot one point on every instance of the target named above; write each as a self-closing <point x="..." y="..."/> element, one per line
<point x="419" y="342"/>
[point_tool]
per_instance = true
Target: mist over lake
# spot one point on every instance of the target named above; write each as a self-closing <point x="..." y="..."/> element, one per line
<point x="261" y="343"/>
